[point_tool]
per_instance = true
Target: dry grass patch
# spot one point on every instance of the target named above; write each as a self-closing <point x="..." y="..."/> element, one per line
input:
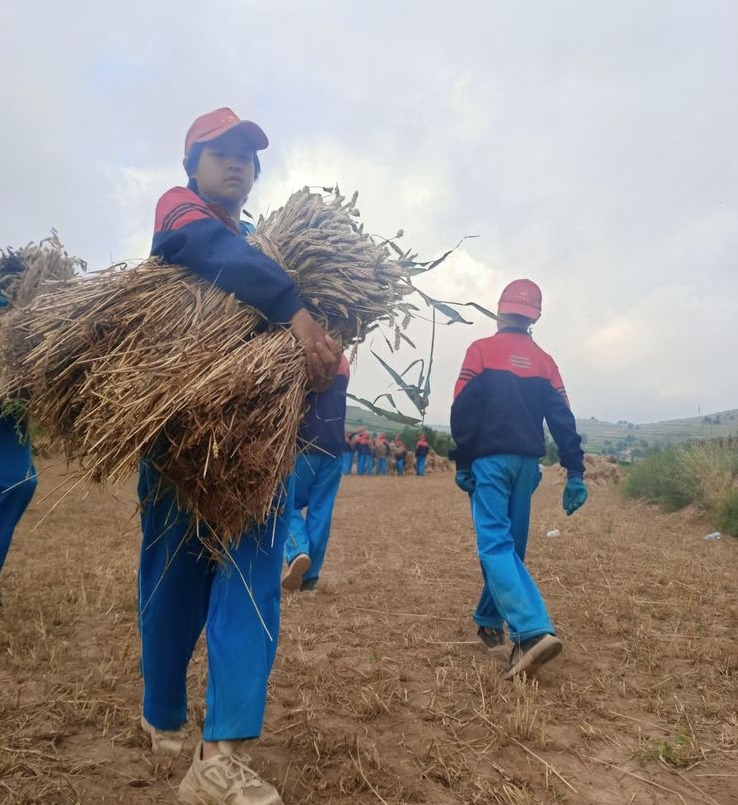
<point x="381" y="691"/>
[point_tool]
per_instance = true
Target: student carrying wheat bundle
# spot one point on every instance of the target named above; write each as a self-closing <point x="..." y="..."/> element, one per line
<point x="182" y="591"/>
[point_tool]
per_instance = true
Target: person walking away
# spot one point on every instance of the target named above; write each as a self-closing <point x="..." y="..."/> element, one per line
<point x="317" y="477"/>
<point x="421" y="455"/>
<point x="373" y="454"/>
<point x="363" y="453"/>
<point x="348" y="454"/>
<point x="506" y="388"/>
<point x="180" y="590"/>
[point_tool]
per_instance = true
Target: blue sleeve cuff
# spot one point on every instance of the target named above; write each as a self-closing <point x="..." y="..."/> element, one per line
<point x="284" y="308"/>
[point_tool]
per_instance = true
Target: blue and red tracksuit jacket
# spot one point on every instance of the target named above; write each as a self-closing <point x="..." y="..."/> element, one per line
<point x="197" y="233"/>
<point x="506" y="388"/>
<point x="322" y="430"/>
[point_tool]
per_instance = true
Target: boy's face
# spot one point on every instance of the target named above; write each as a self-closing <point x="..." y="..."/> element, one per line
<point x="225" y="170"/>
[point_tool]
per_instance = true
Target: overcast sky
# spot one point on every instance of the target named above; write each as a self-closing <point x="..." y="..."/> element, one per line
<point x="592" y="147"/>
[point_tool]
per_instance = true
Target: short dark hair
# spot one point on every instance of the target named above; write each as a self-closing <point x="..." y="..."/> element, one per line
<point x="194" y="157"/>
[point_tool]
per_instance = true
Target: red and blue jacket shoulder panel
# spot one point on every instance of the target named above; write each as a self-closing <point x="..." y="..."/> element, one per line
<point x="507" y="387"/>
<point x="199" y="235"/>
<point x="323" y="429"/>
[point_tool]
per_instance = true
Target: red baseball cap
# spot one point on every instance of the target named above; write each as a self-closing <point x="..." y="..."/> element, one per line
<point x="522" y="298"/>
<point x="213" y="124"/>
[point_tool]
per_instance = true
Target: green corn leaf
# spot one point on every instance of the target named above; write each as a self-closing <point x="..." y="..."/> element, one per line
<point x="422" y="268"/>
<point x="415" y="363"/>
<point x="393" y="374"/>
<point x="415" y="394"/>
<point x="481" y="309"/>
<point x="394" y="416"/>
<point x="449" y="312"/>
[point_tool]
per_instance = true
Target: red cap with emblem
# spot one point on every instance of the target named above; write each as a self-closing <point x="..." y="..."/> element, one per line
<point x="522" y="298"/>
<point x="213" y="124"/>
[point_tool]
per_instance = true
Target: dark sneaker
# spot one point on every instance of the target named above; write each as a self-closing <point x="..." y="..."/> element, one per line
<point x="308" y="585"/>
<point x="528" y="656"/>
<point x="299" y="566"/>
<point x="492" y="638"/>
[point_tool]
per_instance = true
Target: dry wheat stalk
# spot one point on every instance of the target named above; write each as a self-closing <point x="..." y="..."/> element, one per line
<point x="152" y="361"/>
<point x="23" y="272"/>
<point x="343" y="274"/>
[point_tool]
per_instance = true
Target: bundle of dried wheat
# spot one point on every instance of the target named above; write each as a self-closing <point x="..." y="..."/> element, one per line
<point x="25" y="271"/>
<point x="152" y="361"/>
<point x="349" y="280"/>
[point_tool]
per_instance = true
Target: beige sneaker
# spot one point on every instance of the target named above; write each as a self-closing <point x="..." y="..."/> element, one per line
<point x="530" y="655"/>
<point x="226" y="779"/>
<point x="165" y="742"/>
<point x="299" y="566"/>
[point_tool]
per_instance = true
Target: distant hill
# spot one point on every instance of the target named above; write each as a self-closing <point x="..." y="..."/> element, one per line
<point x="605" y="437"/>
<point x="356" y="417"/>
<point x="600" y="436"/>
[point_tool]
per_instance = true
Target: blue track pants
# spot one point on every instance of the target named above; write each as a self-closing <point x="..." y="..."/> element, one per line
<point x="181" y="591"/>
<point x="14" y="499"/>
<point x="17" y="479"/>
<point x="420" y="465"/>
<point x="501" y="514"/>
<point x="381" y="468"/>
<point x="317" y="477"/>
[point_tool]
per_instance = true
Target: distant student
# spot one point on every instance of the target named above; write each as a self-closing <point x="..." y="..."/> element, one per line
<point x="348" y="455"/>
<point x="363" y="453"/>
<point x="399" y="452"/>
<point x="421" y="454"/>
<point x="317" y="477"/>
<point x="381" y="449"/>
<point x="506" y="388"/>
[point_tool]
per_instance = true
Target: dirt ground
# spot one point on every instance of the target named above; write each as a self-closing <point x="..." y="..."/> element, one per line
<point x="381" y="692"/>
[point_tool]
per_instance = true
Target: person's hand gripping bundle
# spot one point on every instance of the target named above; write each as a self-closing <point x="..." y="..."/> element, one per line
<point x="575" y="494"/>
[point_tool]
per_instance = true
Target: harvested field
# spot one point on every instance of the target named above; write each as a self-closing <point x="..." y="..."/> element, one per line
<point x="381" y="691"/>
<point x="600" y="470"/>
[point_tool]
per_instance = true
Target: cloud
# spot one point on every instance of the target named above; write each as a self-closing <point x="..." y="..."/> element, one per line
<point x="590" y="146"/>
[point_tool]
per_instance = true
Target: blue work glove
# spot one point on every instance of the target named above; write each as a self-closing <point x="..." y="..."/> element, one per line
<point x="465" y="480"/>
<point x="3" y="301"/>
<point x="575" y="495"/>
